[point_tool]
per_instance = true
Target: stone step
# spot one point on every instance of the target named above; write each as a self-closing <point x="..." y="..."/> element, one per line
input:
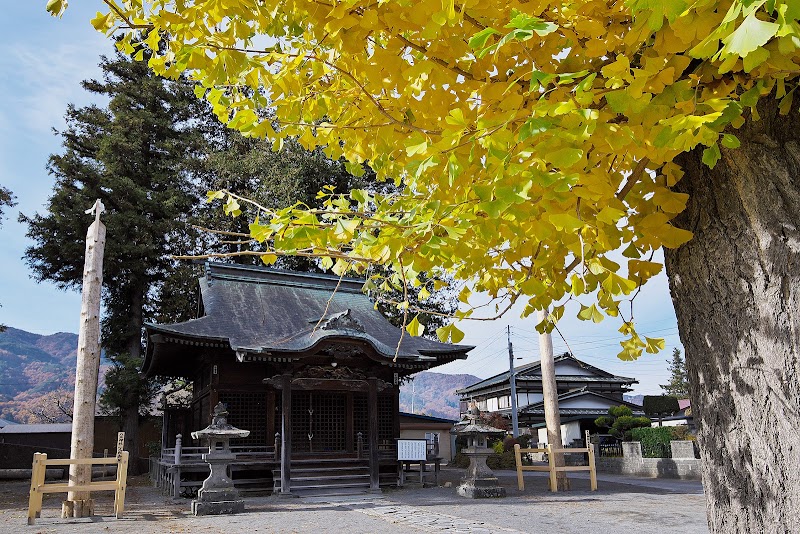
<point x="330" y="481"/>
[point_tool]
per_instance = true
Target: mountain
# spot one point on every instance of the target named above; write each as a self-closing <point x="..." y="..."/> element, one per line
<point x="434" y="393"/>
<point x="37" y="374"/>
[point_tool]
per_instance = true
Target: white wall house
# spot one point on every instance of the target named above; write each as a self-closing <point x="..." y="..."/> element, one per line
<point x="585" y="393"/>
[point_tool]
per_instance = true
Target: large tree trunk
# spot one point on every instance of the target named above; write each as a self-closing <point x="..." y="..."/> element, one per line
<point x="736" y="290"/>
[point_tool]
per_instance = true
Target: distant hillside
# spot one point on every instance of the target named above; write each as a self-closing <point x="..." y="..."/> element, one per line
<point x="435" y="393"/>
<point x="36" y="372"/>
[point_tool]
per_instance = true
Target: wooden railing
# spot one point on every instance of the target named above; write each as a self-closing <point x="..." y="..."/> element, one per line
<point x="39" y="488"/>
<point x="551" y="466"/>
<point x="168" y="470"/>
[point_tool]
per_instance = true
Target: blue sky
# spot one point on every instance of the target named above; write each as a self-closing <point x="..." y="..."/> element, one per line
<point x="43" y="61"/>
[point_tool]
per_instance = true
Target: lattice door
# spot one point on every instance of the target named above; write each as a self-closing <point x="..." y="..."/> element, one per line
<point x="248" y="411"/>
<point x="360" y="419"/>
<point x="318" y="421"/>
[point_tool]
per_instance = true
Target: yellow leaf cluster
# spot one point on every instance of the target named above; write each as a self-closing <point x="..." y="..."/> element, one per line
<point x="533" y="138"/>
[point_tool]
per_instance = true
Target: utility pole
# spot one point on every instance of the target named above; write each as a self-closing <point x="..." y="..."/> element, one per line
<point x="79" y="503"/>
<point x="514" y="415"/>
<point x="413" y="394"/>
<point x="550" y="393"/>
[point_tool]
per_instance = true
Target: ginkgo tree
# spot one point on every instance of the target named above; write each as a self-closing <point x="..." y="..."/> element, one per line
<point x="535" y="140"/>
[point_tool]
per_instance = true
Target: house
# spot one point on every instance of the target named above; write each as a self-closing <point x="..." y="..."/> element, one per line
<point x="304" y="362"/>
<point x="585" y="392"/>
<point x="435" y="430"/>
<point x="682" y="417"/>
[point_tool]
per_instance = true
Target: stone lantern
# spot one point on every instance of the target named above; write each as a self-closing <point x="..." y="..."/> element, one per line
<point x="218" y="496"/>
<point x="479" y="482"/>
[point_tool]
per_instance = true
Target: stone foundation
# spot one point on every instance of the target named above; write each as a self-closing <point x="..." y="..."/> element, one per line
<point x="476" y="490"/>
<point x="217" y="507"/>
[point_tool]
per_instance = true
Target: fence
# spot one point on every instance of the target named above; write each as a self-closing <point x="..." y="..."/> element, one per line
<point x="182" y="469"/>
<point x="609" y="450"/>
<point x="39" y="488"/>
<point x="551" y="466"/>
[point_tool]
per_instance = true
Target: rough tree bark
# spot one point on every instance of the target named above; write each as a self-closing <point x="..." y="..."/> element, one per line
<point x="736" y="290"/>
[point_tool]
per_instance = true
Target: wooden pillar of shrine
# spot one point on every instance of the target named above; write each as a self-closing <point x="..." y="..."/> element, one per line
<point x="286" y="434"/>
<point x="372" y="416"/>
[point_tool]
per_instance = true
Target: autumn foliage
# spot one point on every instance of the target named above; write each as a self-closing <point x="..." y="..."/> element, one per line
<point x="533" y="138"/>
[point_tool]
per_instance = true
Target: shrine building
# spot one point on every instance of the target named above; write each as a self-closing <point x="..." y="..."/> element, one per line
<point x="305" y="363"/>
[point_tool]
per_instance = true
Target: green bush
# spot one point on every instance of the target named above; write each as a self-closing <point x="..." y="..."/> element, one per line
<point x="509" y="442"/>
<point x="502" y="461"/>
<point x="655" y="441"/>
<point x="658" y="406"/>
<point x="460" y="460"/>
<point x="681" y="433"/>
<point x="620" y="421"/>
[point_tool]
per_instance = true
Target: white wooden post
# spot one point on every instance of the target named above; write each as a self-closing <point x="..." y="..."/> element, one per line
<point x="79" y="504"/>
<point x="552" y="416"/>
<point x="176" y="468"/>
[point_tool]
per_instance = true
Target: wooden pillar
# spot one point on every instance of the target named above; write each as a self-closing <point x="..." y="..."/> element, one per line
<point x="372" y="415"/>
<point x="552" y="416"/>
<point x="79" y="504"/>
<point x="286" y="434"/>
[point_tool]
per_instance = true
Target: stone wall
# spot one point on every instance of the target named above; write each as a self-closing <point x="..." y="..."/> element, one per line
<point x="683" y="464"/>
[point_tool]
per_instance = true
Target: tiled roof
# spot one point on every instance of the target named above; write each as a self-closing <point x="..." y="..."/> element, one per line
<point x="532" y="371"/>
<point x="257" y="310"/>
<point x="44" y="428"/>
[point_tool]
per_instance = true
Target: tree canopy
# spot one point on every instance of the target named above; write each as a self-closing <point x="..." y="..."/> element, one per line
<point x="534" y="138"/>
<point x="678" y="385"/>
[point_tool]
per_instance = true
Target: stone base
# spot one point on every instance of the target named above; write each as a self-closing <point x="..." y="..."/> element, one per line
<point x="217" y="507"/>
<point x="79" y="508"/>
<point x="481" y="489"/>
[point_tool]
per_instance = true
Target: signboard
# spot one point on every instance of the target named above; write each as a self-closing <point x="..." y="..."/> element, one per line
<point x="120" y="444"/>
<point x="414" y="450"/>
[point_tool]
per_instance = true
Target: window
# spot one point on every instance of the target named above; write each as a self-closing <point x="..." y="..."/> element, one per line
<point x="432" y="437"/>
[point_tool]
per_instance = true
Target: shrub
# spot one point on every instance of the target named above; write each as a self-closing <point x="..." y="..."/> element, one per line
<point x="460" y="460"/>
<point x="525" y="441"/>
<point x="620" y="421"/>
<point x="502" y="461"/>
<point x="497" y="447"/>
<point x="659" y="406"/>
<point x="681" y="433"/>
<point x="509" y="442"/>
<point x="655" y="441"/>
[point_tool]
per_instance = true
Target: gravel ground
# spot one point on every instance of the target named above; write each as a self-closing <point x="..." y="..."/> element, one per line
<point x="621" y="505"/>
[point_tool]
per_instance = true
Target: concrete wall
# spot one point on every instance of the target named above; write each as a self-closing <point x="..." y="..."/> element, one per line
<point x="683" y="464"/>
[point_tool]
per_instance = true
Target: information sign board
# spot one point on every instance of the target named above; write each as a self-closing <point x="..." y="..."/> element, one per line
<point x="413" y="450"/>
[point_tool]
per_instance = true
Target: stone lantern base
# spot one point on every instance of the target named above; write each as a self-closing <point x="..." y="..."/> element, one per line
<point x="217" y="507"/>
<point x="479" y="482"/>
<point x="483" y="488"/>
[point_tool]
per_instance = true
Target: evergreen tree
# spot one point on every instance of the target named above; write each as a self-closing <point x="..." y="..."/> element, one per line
<point x="679" y="380"/>
<point x="6" y="200"/>
<point x="136" y="155"/>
